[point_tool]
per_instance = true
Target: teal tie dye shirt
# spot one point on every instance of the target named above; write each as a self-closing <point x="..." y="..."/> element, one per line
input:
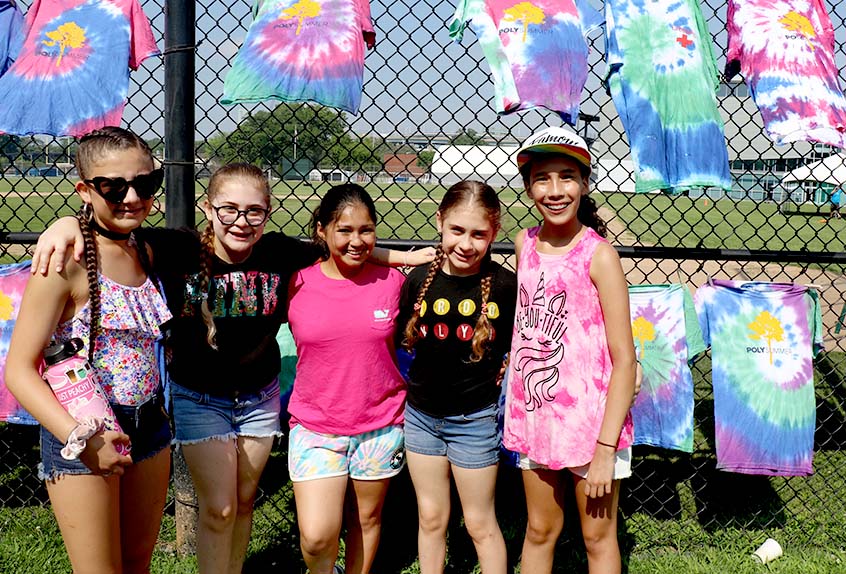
<point x="303" y="50"/>
<point x="763" y="338"/>
<point x="663" y="79"/>
<point x="666" y="336"/>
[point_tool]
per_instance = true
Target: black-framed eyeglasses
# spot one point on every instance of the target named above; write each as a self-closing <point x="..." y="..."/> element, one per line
<point x="228" y="215"/>
<point x="114" y="189"/>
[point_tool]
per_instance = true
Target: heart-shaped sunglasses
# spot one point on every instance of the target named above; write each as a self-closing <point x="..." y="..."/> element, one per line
<point x="114" y="189"/>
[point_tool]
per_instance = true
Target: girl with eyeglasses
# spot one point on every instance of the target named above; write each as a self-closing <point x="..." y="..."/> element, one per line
<point x="228" y="291"/>
<point x="108" y="506"/>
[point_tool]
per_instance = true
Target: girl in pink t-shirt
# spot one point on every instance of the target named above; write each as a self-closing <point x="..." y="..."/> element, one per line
<point x="572" y="369"/>
<point x="346" y="438"/>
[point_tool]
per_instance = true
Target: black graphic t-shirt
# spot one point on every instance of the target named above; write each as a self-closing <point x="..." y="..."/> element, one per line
<point x="442" y="379"/>
<point x="248" y="300"/>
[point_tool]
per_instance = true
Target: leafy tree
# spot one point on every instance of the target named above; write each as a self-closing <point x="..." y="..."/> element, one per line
<point x="526" y="12"/>
<point x="466" y="137"/>
<point x="643" y="331"/>
<point x="68" y="35"/>
<point x="301" y="10"/>
<point x="10" y="146"/>
<point x="290" y="131"/>
<point x="425" y="158"/>
<point x="766" y="327"/>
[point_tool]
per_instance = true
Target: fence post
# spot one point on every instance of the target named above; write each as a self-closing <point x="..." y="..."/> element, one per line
<point x="179" y="57"/>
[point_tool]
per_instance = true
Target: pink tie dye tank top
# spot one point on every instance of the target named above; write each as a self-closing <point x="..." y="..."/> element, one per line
<point x="560" y="365"/>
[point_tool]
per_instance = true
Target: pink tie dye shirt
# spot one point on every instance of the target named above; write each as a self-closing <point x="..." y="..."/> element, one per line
<point x="785" y="51"/>
<point x="560" y="365"/>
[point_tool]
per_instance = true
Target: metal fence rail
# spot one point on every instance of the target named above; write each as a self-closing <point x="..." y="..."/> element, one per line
<point x="422" y="94"/>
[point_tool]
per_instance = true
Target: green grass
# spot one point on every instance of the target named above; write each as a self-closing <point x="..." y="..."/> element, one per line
<point x="407" y="211"/>
<point x="678" y="514"/>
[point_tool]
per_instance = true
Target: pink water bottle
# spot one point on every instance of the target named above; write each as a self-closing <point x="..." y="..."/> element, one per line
<point x="75" y="385"/>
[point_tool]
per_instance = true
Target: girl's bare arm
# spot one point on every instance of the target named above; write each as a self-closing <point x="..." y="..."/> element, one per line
<point x="606" y="272"/>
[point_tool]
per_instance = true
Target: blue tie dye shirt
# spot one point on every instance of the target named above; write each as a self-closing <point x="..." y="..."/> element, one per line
<point x="663" y="80"/>
<point x="763" y="338"/>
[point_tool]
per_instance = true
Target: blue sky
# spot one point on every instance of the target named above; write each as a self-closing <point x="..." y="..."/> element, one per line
<point x="416" y="79"/>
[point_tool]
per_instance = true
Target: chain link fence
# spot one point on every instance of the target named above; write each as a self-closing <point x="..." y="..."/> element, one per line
<point x="424" y="98"/>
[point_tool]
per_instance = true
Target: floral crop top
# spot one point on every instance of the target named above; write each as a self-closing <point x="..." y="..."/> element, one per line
<point x="125" y="356"/>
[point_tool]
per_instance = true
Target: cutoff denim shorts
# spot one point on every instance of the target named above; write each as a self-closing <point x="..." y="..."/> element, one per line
<point x="468" y="441"/>
<point x="200" y="416"/>
<point x="148" y="428"/>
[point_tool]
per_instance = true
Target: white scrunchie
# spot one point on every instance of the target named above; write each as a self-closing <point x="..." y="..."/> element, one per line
<point x="79" y="436"/>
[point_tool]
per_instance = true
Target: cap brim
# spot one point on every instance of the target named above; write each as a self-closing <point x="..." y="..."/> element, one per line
<point x="577" y="153"/>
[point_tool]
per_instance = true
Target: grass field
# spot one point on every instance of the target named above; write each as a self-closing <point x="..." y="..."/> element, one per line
<point x="679" y="515"/>
<point x="406" y="212"/>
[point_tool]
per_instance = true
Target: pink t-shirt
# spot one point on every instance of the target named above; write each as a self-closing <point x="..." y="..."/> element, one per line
<point x="560" y="366"/>
<point x="347" y="378"/>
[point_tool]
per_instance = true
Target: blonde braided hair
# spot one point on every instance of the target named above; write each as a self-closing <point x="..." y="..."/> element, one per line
<point x="483" y="196"/>
<point x="206" y="256"/>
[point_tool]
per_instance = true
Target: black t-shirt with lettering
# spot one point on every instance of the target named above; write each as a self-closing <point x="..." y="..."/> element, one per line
<point x="442" y="379"/>
<point x="248" y="300"/>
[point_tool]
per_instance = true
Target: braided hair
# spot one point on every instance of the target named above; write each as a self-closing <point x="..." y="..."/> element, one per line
<point x="478" y="195"/>
<point x="92" y="147"/>
<point x="240" y="171"/>
<point x="587" y="212"/>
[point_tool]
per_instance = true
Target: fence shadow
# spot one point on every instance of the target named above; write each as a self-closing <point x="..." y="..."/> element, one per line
<point x="729" y="500"/>
<point x="652" y="489"/>
<point x="830" y="433"/>
<point x="19" y="484"/>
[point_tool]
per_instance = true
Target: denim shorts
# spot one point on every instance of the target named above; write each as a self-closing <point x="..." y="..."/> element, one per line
<point x="468" y="441"/>
<point x="148" y="428"/>
<point x="199" y="417"/>
<point x="372" y="455"/>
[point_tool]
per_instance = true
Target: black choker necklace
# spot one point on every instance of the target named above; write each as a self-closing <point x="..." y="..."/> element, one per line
<point x="114" y="235"/>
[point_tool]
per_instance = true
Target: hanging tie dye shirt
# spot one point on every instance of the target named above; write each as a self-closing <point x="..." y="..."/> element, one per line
<point x="663" y="80"/>
<point x="303" y="50"/>
<point x="763" y="338"/>
<point x="13" y="280"/>
<point x="11" y="22"/>
<point x="536" y="50"/>
<point x="72" y="72"/>
<point x="785" y="50"/>
<point x="560" y="365"/>
<point x="666" y="336"/>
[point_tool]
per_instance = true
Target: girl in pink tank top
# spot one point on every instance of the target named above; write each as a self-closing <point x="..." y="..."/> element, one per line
<point x="572" y="369"/>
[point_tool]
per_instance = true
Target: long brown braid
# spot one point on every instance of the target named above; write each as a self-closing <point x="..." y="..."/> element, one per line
<point x="411" y="334"/>
<point x="483" y="331"/>
<point x="92" y="147"/>
<point x="481" y="196"/>
<point x="250" y="174"/>
<point x="91" y="271"/>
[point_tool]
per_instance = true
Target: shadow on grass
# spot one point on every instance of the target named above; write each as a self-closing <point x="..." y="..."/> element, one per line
<point x="275" y="543"/>
<point x="728" y="500"/>
<point x="19" y="484"/>
<point x="831" y="396"/>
